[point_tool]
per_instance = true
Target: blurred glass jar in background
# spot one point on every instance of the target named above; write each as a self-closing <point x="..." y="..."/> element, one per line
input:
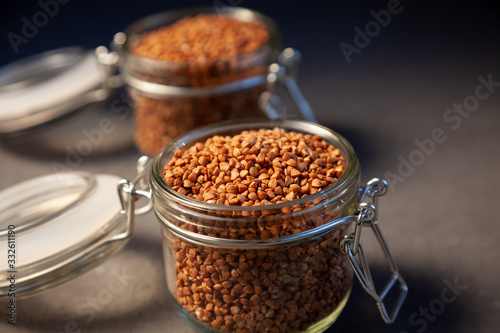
<point x="191" y="67"/>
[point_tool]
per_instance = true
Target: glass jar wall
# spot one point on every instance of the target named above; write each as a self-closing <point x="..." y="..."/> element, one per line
<point x="250" y="269"/>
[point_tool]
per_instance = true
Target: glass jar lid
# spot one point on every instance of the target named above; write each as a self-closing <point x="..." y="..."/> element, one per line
<point x="56" y="227"/>
<point x="50" y="85"/>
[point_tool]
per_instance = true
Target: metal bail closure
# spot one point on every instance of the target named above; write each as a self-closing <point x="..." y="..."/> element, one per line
<point x="130" y="192"/>
<point x="283" y="76"/>
<point x="351" y="246"/>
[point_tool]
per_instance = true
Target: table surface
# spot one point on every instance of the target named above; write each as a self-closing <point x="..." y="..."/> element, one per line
<point x="398" y="103"/>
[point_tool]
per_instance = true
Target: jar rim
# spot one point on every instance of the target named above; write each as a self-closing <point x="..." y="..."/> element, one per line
<point x="334" y="190"/>
<point x="154" y="21"/>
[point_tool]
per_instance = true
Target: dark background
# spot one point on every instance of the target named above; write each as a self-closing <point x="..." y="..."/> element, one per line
<point x="441" y="223"/>
<point x="425" y="31"/>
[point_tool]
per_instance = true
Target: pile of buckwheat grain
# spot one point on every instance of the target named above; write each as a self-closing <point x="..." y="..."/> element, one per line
<point x="202" y="51"/>
<point x="255" y="168"/>
<point x="283" y="289"/>
<point x="203" y="38"/>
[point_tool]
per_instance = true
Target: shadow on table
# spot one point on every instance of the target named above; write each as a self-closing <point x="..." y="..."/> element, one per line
<point x="431" y="306"/>
<point x="123" y="303"/>
<point x="70" y="151"/>
<point x="97" y="128"/>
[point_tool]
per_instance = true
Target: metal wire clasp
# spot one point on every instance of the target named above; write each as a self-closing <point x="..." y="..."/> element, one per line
<point x="351" y="246"/>
<point x="283" y="76"/>
<point x="109" y="62"/>
<point x="130" y="192"/>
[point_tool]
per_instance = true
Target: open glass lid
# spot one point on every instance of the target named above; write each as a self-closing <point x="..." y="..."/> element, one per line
<point x="56" y="227"/>
<point x="51" y="85"/>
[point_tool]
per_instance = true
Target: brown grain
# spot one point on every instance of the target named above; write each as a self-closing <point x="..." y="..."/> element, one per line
<point x="238" y="179"/>
<point x="203" y="38"/>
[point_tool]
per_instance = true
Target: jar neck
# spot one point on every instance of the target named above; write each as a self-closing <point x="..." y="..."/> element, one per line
<point x="294" y="221"/>
<point x="211" y="74"/>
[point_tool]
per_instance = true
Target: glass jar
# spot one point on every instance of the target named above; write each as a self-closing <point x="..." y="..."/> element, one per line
<point x="171" y="98"/>
<point x="252" y="269"/>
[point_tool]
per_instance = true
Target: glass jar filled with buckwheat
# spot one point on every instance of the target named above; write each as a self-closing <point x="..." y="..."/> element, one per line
<point x="253" y="216"/>
<point x="255" y="219"/>
<point x="193" y="67"/>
